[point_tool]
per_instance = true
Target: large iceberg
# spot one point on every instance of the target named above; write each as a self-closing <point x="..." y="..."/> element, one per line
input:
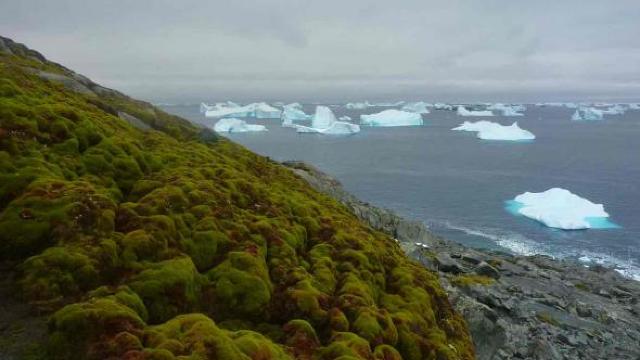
<point x="587" y="113"/>
<point x="232" y="125"/>
<point x="462" y="111"/>
<point x="419" y="107"/>
<point x="561" y="209"/>
<point x="392" y="117"/>
<point x="324" y="122"/>
<point x="488" y="130"/>
<point x="293" y="112"/>
<point x="508" y="110"/>
<point x="258" y="110"/>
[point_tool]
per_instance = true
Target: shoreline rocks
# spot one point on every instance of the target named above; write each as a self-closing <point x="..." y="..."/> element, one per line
<point x="522" y="307"/>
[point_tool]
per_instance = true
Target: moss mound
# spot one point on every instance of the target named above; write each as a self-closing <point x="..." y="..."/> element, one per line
<point x="159" y="242"/>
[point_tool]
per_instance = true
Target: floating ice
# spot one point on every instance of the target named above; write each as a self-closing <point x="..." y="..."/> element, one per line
<point x="357" y="105"/>
<point x="229" y="109"/>
<point x="293" y="112"/>
<point x="419" y="107"/>
<point x="392" y="117"/>
<point x="344" y="118"/>
<point x="561" y="209"/>
<point x="462" y="111"/>
<point x="324" y="122"/>
<point x="388" y="104"/>
<point x="488" y="130"/>
<point x="441" y="106"/>
<point x="587" y="113"/>
<point x="634" y="106"/>
<point x="614" y="110"/>
<point x="232" y="125"/>
<point x="508" y="110"/>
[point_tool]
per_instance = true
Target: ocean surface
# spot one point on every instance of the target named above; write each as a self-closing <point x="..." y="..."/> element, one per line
<point x="458" y="184"/>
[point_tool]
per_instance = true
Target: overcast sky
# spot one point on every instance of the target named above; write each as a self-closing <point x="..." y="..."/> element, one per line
<point x="334" y="50"/>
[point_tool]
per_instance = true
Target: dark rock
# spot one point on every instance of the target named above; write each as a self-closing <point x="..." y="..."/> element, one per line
<point x="446" y="264"/>
<point x="541" y="349"/>
<point x="471" y="258"/>
<point x="487" y="270"/>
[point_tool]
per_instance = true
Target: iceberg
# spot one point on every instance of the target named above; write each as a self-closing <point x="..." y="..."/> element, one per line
<point x="614" y="110"/>
<point x="561" y="209"/>
<point x="634" y="106"/>
<point x="462" y="111"/>
<point x="391" y="117"/>
<point x="324" y="122"/>
<point x="419" y="107"/>
<point x="442" y="106"/>
<point x="587" y="113"/>
<point x="387" y="104"/>
<point x="229" y="109"/>
<point x="345" y="118"/>
<point x="488" y="130"/>
<point x="232" y="125"/>
<point x="264" y="111"/>
<point x="508" y="110"/>
<point x="357" y="105"/>
<point x="293" y="112"/>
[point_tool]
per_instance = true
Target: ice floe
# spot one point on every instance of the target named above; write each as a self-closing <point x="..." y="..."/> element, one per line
<point x="419" y="107"/>
<point x="442" y="106"/>
<point x="508" y="110"/>
<point x="488" y="130"/>
<point x="587" y="113"/>
<point x="392" y="117"/>
<point x="232" y="125"/>
<point x="258" y="110"/>
<point x="324" y="122"/>
<point x="561" y="209"/>
<point x="614" y="110"/>
<point x="293" y="112"/>
<point x="462" y="111"/>
<point x="344" y="118"/>
<point x="357" y="105"/>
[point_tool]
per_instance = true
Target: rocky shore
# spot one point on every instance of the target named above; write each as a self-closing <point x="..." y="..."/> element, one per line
<point x="516" y="307"/>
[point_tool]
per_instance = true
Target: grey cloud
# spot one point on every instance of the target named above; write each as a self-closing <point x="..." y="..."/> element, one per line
<point x="340" y="50"/>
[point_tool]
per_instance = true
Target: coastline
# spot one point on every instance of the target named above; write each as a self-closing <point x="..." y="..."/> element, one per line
<point x="530" y="307"/>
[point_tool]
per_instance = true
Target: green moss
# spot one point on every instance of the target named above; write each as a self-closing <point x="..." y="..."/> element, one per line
<point x="241" y="285"/>
<point x="168" y="288"/>
<point x="57" y="272"/>
<point x="136" y="228"/>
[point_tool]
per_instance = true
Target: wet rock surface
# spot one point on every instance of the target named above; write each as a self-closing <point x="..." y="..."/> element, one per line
<point x="516" y="307"/>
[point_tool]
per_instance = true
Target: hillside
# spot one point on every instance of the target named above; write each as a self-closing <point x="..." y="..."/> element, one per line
<point x="138" y="235"/>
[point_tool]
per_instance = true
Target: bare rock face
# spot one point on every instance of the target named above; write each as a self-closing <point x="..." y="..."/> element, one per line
<point x="523" y="307"/>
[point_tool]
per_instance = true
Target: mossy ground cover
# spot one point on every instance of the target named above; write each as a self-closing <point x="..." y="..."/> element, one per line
<point x="160" y="245"/>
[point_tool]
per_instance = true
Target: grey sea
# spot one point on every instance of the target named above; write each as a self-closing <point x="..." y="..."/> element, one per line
<point x="458" y="184"/>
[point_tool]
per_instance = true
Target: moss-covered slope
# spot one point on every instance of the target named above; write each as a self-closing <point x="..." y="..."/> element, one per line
<point x="145" y="237"/>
